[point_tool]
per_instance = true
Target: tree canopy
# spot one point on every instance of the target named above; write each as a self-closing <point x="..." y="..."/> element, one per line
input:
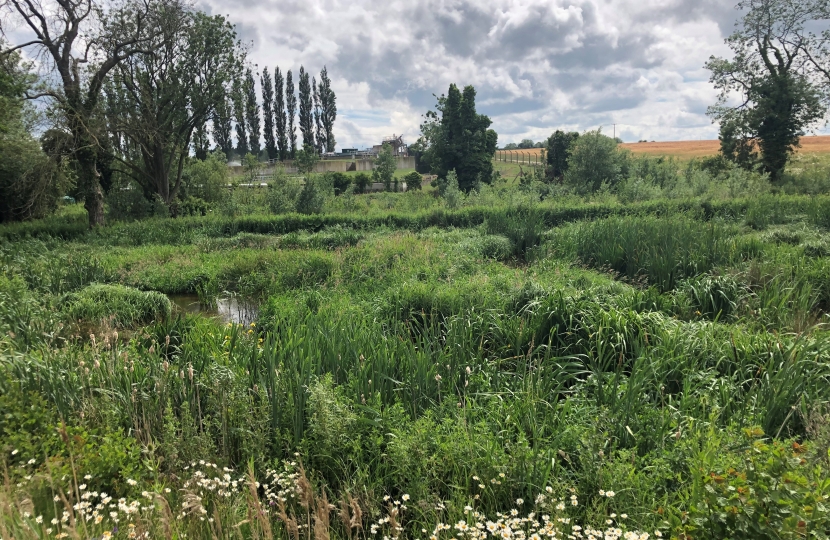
<point x="771" y="91"/>
<point x="456" y="137"/>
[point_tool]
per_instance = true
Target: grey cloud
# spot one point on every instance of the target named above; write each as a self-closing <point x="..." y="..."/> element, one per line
<point x="534" y="63"/>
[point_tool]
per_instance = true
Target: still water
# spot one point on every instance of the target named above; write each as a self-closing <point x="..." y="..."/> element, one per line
<point x="228" y="309"/>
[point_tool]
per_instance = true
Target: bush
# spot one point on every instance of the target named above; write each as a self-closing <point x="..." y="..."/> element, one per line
<point x="206" y="180"/>
<point x="125" y="306"/>
<point x="361" y="182"/>
<point x="495" y="246"/>
<point x="339" y="181"/>
<point x="594" y="160"/>
<point x="311" y="198"/>
<point x="413" y="181"/>
<point x="522" y="225"/>
<point x="283" y="193"/>
<point x="452" y="195"/>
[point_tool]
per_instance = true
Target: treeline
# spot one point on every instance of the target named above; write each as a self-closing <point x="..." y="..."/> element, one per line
<point x="161" y="82"/>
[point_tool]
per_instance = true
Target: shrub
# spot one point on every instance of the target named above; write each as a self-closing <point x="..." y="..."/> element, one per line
<point x="207" y="180"/>
<point x="362" y="181"/>
<point x="452" y="195"/>
<point x="413" y="181"/>
<point x="594" y="160"/>
<point x="283" y="193"/>
<point x="311" y="198"/>
<point x="495" y="246"/>
<point x="124" y="305"/>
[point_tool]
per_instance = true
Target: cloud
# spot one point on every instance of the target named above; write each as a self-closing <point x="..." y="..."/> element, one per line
<point x="537" y="65"/>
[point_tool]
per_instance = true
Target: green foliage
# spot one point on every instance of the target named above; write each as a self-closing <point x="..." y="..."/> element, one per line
<point x="121" y="306"/>
<point x="413" y="181"/>
<point x="452" y="195"/>
<point x="769" y="490"/>
<point x="522" y="226"/>
<point x="593" y="161"/>
<point x="312" y="197"/>
<point x="384" y="167"/>
<point x="460" y="140"/>
<point x="306" y="159"/>
<point x="558" y="151"/>
<point x="283" y="193"/>
<point x="206" y="179"/>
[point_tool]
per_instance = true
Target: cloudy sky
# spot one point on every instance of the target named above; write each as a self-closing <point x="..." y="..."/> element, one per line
<point x="537" y="65"/>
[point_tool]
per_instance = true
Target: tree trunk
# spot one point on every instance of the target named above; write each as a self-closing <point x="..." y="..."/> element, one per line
<point x="94" y="204"/>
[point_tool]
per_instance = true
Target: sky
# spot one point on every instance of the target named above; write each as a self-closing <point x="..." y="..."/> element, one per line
<point x="536" y="65"/>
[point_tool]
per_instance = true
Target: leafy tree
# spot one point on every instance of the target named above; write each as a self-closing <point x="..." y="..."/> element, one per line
<point x="460" y="139"/>
<point x="311" y="198"/>
<point x="239" y="116"/>
<point x="413" y="181"/>
<point x="451" y="193"/>
<point x="776" y="68"/>
<point x="558" y="150"/>
<point x="279" y="115"/>
<point x="384" y="166"/>
<point x="319" y="135"/>
<point x="594" y="160"/>
<point x="252" y="114"/>
<point x="361" y="182"/>
<point x="268" y="113"/>
<point x="30" y="182"/>
<point x="306" y="110"/>
<point x="98" y="36"/>
<point x="201" y="141"/>
<point x="223" y="127"/>
<point x="306" y="159"/>
<point x="526" y="143"/>
<point x="511" y="146"/>
<point x="328" y="105"/>
<point x="251" y="167"/>
<point x="291" y="109"/>
<point x="283" y="193"/>
<point x="167" y="95"/>
<point x="207" y="179"/>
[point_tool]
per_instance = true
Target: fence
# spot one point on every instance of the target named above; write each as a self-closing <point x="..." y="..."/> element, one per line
<point x="535" y="159"/>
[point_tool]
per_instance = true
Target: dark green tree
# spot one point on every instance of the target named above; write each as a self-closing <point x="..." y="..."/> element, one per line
<point x="223" y="126"/>
<point x="319" y="134"/>
<point x="306" y="159"/>
<point x="460" y="139"/>
<point x="239" y="116"/>
<point x="306" y="109"/>
<point x="279" y="115"/>
<point x="252" y="122"/>
<point x="169" y="96"/>
<point x="526" y="143"/>
<point x="201" y="141"/>
<point x="557" y="154"/>
<point x="291" y="112"/>
<point x="775" y="71"/>
<point x="268" y="114"/>
<point x="328" y="105"/>
<point x="82" y="43"/>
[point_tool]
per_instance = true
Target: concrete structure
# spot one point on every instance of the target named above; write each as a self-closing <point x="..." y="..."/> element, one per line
<point x="337" y="165"/>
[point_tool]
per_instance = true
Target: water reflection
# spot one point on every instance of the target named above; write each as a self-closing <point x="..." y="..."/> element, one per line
<point x="229" y="309"/>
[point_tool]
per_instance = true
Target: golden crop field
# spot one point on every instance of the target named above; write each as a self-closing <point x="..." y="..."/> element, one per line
<point x="689" y="149"/>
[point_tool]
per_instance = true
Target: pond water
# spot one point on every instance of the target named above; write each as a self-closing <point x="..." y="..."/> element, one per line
<point x="228" y="309"/>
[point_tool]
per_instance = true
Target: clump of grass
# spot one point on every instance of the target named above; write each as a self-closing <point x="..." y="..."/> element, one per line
<point x="123" y="306"/>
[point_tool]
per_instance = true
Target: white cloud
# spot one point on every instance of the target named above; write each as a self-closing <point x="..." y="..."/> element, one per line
<point x="537" y="65"/>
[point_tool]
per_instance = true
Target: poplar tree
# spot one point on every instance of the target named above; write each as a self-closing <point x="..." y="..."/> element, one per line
<point x="279" y="114"/>
<point x="239" y="117"/>
<point x="291" y="109"/>
<point x="328" y="106"/>
<point x="223" y="128"/>
<point x="319" y="135"/>
<point x="306" y="109"/>
<point x="252" y="114"/>
<point x="268" y="113"/>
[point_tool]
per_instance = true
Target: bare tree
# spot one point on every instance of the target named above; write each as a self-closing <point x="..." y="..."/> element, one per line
<point x="82" y="41"/>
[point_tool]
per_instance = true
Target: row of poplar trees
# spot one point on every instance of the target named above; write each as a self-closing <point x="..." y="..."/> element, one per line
<point x="317" y="112"/>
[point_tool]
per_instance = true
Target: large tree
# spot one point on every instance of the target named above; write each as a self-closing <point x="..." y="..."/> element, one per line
<point x="291" y="110"/>
<point x="82" y="41"/>
<point x="252" y="114"/>
<point x="328" y="106"/>
<point x="223" y="126"/>
<point x="770" y="91"/>
<point x="306" y="109"/>
<point x="456" y="137"/>
<point x="558" y="151"/>
<point x="279" y="114"/>
<point x="268" y="114"/>
<point x="319" y="136"/>
<point x="238" y="99"/>
<point x="170" y="95"/>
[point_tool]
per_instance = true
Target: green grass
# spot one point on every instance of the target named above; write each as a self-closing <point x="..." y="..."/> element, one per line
<point x="664" y="350"/>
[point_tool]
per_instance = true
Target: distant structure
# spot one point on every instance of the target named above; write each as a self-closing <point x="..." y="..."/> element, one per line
<point x="399" y="148"/>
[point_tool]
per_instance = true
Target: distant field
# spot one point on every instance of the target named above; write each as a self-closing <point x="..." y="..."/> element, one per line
<point x="691" y="149"/>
